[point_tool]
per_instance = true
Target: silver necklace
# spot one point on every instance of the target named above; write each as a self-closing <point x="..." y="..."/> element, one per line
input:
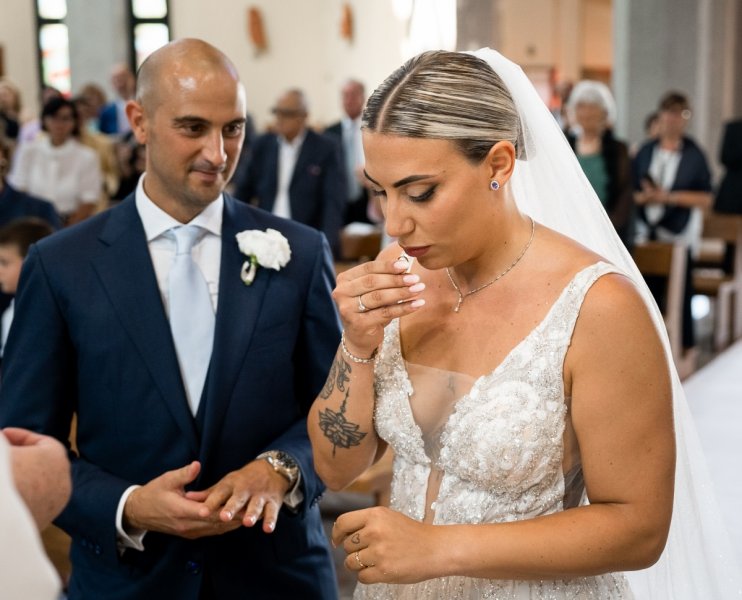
<point x="489" y="283"/>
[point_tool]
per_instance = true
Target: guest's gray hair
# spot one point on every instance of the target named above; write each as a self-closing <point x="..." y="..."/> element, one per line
<point x="588" y="91"/>
<point x="448" y="96"/>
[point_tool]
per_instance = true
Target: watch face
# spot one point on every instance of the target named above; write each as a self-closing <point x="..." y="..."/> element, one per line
<point x="285" y="459"/>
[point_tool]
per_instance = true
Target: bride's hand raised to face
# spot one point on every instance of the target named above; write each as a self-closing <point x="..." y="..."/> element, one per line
<point x="370" y="295"/>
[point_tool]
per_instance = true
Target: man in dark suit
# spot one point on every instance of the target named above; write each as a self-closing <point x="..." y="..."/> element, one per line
<point x="296" y="172"/>
<point x="193" y="477"/>
<point x="347" y="131"/>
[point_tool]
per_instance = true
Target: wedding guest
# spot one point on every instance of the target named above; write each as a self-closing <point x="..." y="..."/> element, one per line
<point x="32" y="128"/>
<point x="15" y="240"/>
<point x="604" y="158"/>
<point x="34" y="487"/>
<point x="515" y="366"/>
<point x="348" y="133"/>
<point x="193" y="474"/>
<point x="112" y="119"/>
<point x="57" y="167"/>
<point x="297" y="173"/>
<point x="672" y="187"/>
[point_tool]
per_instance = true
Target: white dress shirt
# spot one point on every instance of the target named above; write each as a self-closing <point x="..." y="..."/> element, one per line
<point x="288" y="153"/>
<point x="66" y="175"/>
<point x="207" y="254"/>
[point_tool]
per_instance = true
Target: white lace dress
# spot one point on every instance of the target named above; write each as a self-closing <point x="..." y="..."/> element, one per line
<point x="496" y="449"/>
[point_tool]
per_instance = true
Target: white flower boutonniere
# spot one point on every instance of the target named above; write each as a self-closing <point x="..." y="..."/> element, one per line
<point x="267" y="248"/>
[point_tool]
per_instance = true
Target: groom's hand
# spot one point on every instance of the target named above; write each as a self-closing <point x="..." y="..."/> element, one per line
<point x="255" y="488"/>
<point x="161" y="505"/>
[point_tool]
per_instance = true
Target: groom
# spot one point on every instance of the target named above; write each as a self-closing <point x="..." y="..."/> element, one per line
<point x="193" y="477"/>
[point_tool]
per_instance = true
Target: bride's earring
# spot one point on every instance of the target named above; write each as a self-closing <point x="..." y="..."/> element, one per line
<point x="494" y="185"/>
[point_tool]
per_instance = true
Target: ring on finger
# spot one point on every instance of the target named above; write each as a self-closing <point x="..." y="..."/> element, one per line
<point x="358" y="560"/>
<point x="361" y="306"/>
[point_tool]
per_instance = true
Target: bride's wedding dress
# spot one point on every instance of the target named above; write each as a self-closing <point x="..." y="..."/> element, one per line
<point x="496" y="449"/>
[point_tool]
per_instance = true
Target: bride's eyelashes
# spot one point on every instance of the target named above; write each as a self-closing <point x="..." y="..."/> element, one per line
<point x="426" y="195"/>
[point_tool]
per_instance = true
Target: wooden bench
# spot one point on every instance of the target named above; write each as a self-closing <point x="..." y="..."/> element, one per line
<point x="668" y="261"/>
<point x="712" y="280"/>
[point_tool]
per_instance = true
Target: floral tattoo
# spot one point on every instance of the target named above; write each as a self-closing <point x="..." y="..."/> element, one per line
<point x="341" y="432"/>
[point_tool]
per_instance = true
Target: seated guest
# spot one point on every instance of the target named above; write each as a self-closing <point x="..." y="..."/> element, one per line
<point x="15" y="240"/>
<point x="57" y="167"/>
<point x="297" y="173"/>
<point x="604" y="159"/>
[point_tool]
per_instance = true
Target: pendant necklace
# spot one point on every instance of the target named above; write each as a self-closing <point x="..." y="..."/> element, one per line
<point x="489" y="283"/>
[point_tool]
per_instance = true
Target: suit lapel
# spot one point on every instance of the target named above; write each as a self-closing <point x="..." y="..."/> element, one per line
<point x="126" y="272"/>
<point x="236" y="316"/>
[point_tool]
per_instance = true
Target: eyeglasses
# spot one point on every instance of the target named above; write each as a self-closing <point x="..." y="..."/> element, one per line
<point x="287" y="113"/>
<point x="685" y="113"/>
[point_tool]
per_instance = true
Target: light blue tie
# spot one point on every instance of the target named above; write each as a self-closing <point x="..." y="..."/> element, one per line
<point x="191" y="314"/>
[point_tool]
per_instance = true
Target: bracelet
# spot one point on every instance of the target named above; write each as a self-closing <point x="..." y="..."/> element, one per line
<point x="353" y="357"/>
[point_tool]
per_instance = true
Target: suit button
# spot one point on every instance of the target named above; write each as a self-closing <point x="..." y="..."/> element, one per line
<point x="193" y="567"/>
<point x="97" y="549"/>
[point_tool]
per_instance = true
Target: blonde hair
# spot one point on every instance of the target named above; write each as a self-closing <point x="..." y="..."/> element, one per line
<point x="450" y="96"/>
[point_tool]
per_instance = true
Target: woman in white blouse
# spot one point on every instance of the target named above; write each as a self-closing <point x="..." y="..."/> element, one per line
<point x="57" y="167"/>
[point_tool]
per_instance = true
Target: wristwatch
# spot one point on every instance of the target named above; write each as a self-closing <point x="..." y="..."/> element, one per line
<point x="283" y="464"/>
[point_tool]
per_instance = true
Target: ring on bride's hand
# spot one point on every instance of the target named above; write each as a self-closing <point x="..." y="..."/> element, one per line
<point x="361" y="306"/>
<point x="360" y="564"/>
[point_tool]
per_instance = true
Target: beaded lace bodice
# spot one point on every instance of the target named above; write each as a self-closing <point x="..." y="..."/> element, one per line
<point x="500" y="454"/>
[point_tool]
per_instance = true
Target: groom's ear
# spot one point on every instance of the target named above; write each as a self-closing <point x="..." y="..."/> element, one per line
<point x="501" y="161"/>
<point x="138" y="120"/>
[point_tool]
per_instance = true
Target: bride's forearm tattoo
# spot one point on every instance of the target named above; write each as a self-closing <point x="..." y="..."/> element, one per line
<point x="341" y="432"/>
<point x="338" y="377"/>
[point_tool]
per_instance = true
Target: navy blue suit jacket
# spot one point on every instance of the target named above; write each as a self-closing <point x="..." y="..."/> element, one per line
<point x="91" y="337"/>
<point x="317" y="193"/>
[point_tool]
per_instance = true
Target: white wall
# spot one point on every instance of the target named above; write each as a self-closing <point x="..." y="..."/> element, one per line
<point x="304" y="47"/>
<point x="18" y="39"/>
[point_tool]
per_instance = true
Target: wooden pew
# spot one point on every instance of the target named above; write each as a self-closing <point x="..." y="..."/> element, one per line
<point x="710" y="278"/>
<point x="668" y="261"/>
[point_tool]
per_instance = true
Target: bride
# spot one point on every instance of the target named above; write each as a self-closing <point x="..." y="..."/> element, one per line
<point x="509" y="353"/>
